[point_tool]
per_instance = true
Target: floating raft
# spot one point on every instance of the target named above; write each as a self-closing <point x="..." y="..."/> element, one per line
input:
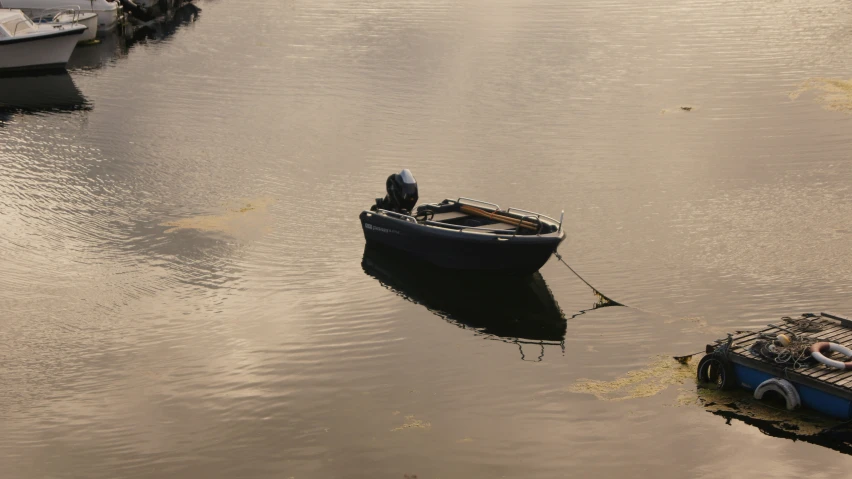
<point x="822" y="388"/>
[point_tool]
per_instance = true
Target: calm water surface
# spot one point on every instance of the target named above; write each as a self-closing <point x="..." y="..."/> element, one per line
<point x="186" y="292"/>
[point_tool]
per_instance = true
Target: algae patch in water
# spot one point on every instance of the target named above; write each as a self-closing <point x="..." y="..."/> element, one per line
<point x="412" y="423"/>
<point x="658" y="376"/>
<point x="242" y="219"/>
<point x="835" y="94"/>
<point x="664" y="372"/>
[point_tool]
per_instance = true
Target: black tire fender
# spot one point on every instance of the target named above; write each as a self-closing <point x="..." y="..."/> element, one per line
<point x="716" y="370"/>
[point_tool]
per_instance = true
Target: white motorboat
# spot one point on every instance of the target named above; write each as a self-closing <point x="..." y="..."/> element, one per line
<point x="108" y="11"/>
<point x="70" y="16"/>
<point x="25" y="45"/>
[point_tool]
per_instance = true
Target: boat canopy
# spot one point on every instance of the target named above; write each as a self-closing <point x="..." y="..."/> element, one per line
<point x="13" y="23"/>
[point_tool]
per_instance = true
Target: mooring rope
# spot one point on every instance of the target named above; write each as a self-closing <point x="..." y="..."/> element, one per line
<point x="605" y="300"/>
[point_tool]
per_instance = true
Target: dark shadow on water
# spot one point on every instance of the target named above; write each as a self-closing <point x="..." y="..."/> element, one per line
<point x="801" y="425"/>
<point x="838" y="439"/>
<point x="515" y="310"/>
<point x="110" y="47"/>
<point x="36" y="93"/>
<point x="117" y="44"/>
<point x="167" y="25"/>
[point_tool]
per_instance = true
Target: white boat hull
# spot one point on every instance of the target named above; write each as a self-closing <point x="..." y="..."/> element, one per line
<point x="107" y="19"/>
<point x="87" y="19"/>
<point x="91" y="25"/>
<point x="42" y="52"/>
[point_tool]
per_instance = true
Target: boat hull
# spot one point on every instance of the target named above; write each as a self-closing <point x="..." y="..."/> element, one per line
<point x="87" y="19"/>
<point x="38" y="52"/>
<point x="91" y="23"/>
<point x="107" y="18"/>
<point x="458" y="250"/>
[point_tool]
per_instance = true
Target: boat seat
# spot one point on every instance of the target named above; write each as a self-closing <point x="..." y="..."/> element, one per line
<point x="500" y="226"/>
<point x="450" y="215"/>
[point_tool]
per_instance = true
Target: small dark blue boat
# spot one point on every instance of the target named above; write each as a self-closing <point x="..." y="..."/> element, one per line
<point x="461" y="234"/>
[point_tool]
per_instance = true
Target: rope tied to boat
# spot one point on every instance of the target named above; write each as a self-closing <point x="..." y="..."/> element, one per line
<point x="794" y="354"/>
<point x="604" y="300"/>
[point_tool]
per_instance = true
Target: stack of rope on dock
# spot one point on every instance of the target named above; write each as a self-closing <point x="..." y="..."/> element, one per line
<point x="807" y="323"/>
<point x="789" y="349"/>
<point x="794" y="355"/>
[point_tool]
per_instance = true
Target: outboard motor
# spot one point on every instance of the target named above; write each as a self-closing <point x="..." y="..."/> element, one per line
<point x="402" y="193"/>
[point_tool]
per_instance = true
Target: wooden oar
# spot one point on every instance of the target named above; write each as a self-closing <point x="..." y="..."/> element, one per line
<point x="497" y="216"/>
<point x="492" y="215"/>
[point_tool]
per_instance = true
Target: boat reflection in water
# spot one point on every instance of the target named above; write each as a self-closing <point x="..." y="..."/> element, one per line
<point x="118" y="43"/>
<point x="167" y="25"/>
<point x="770" y="417"/>
<point x="52" y="92"/>
<point x="519" y="310"/>
<point x="111" y="46"/>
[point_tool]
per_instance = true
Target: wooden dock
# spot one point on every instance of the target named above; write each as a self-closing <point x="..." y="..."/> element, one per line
<point x="833" y="328"/>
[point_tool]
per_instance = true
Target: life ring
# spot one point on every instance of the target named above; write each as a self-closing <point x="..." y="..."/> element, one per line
<point x="819" y="350"/>
<point x="715" y="369"/>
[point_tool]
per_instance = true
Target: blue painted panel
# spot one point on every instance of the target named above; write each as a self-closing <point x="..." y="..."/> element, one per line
<point x="817" y="400"/>
<point x="824" y="402"/>
<point x="750" y="378"/>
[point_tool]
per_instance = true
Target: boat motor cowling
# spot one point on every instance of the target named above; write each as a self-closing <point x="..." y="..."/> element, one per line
<point x="401" y="193"/>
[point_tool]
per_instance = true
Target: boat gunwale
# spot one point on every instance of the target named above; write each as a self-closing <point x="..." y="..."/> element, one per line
<point x="497" y="209"/>
<point x="467" y="230"/>
<point x="76" y="29"/>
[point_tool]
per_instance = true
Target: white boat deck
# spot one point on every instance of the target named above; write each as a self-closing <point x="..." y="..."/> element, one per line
<point x="13" y="23"/>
